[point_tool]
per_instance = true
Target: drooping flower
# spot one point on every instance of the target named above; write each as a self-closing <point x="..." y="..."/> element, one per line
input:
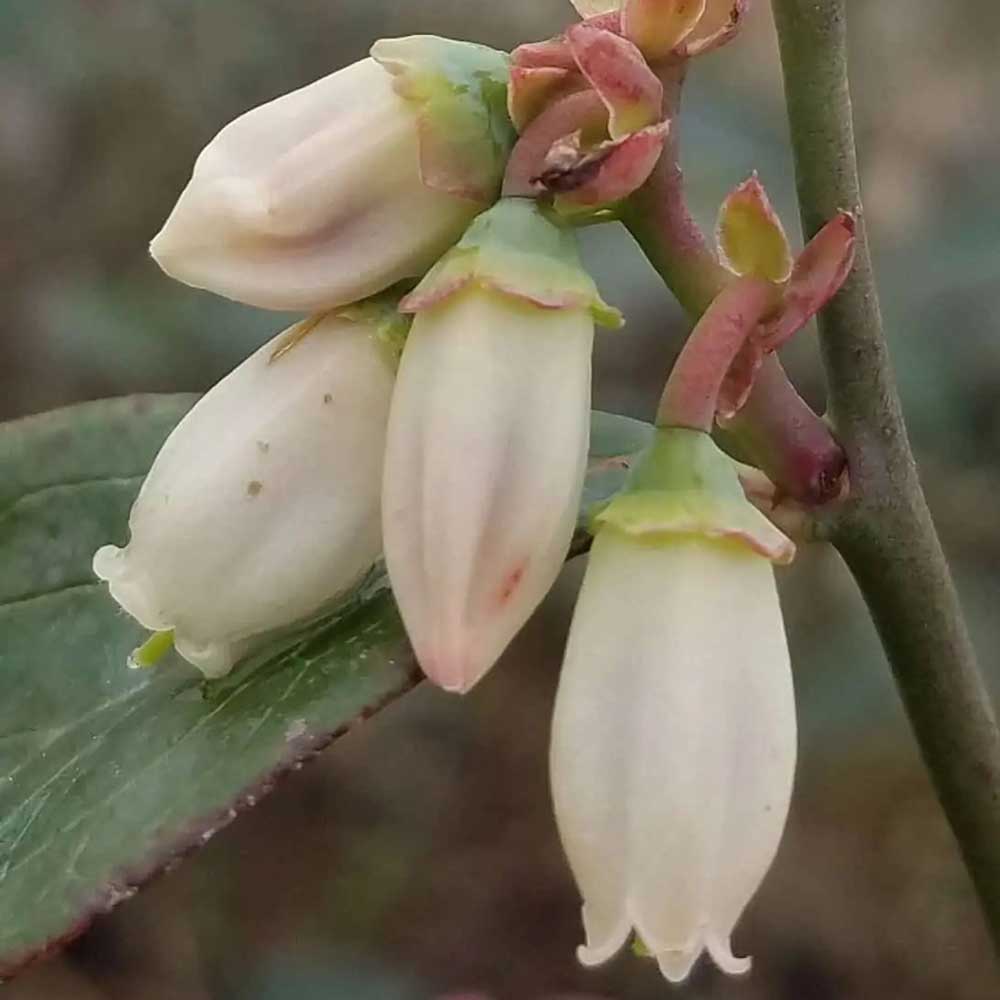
<point x="674" y="738"/>
<point x="263" y="504"/>
<point x="487" y="439"/>
<point x="338" y="190"/>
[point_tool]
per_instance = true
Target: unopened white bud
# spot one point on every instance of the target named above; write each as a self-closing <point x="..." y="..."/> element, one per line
<point x="263" y="504"/>
<point x="338" y="190"/>
<point x="487" y="439"/>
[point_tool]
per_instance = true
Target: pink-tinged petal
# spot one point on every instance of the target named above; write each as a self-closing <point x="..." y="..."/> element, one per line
<point x="531" y="89"/>
<point x="585" y="180"/>
<point x="503" y="391"/>
<point x="816" y="277"/>
<point x="542" y="296"/>
<point x="616" y="69"/>
<point x="751" y="238"/>
<point x="657" y="27"/>
<point x="553" y="52"/>
<point x="720" y="22"/>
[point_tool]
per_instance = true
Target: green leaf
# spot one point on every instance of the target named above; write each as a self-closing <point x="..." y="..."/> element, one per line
<point x="107" y="774"/>
<point x="614" y="442"/>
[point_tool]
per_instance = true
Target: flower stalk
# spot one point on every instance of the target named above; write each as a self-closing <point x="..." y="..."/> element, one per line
<point x="778" y="430"/>
<point x="691" y="395"/>
<point x="884" y="530"/>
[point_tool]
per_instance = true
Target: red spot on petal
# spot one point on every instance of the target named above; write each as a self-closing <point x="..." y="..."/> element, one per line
<point x="511" y="582"/>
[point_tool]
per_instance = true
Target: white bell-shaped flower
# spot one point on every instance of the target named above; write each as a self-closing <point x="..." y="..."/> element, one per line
<point x="674" y="737"/>
<point x="487" y="439"/>
<point x="338" y="190"/>
<point x="263" y="504"/>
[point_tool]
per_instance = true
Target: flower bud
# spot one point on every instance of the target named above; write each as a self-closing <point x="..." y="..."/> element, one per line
<point x="263" y="504"/>
<point x="340" y="189"/>
<point x="487" y="439"/>
<point x="750" y="236"/>
<point x="673" y="742"/>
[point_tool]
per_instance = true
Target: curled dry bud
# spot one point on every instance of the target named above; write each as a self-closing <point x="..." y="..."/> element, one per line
<point x="674" y="737"/>
<point x="263" y="505"/>
<point x="334" y="192"/>
<point x="664" y="28"/>
<point x="590" y="112"/>
<point x="487" y="439"/>
<point x="585" y="180"/>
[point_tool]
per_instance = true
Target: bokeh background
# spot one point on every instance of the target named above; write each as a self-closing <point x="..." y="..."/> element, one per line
<point x="417" y="859"/>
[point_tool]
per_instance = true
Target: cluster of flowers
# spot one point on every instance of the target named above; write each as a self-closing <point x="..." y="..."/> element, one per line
<point x="445" y="426"/>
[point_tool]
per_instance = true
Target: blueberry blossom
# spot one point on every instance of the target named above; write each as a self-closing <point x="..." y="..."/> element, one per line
<point x="674" y="737"/>
<point x="263" y="504"/>
<point x="340" y="189"/>
<point x="487" y="439"/>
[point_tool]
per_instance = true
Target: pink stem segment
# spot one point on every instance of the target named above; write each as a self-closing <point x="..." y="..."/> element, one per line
<point x="691" y="396"/>
<point x="776" y="428"/>
<point x="781" y="433"/>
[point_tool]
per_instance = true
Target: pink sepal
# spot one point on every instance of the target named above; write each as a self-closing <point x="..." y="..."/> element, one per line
<point x="418" y="301"/>
<point x="616" y="69"/>
<point x="553" y="52"/>
<point x="816" y="277"/>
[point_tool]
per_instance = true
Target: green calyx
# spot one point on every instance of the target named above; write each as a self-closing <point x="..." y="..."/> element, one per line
<point x="685" y="485"/>
<point x="515" y="249"/>
<point x="459" y="90"/>
<point x="389" y="326"/>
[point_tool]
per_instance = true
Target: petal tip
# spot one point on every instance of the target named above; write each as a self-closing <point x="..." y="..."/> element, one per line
<point x="592" y="955"/>
<point x="107" y="562"/>
<point x="721" y="952"/>
<point x="604" y="940"/>
<point x="676" y="964"/>
<point x="452" y="672"/>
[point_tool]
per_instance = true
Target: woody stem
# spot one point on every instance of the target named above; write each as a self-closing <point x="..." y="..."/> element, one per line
<point x="884" y="530"/>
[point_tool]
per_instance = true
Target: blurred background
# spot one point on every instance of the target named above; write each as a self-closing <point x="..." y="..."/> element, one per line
<point x="417" y="859"/>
